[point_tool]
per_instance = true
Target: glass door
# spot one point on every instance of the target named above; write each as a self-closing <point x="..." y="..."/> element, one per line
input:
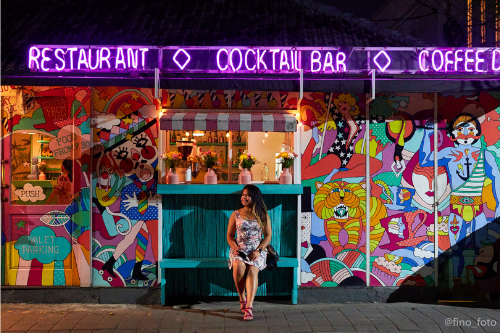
<point x="45" y="187"/>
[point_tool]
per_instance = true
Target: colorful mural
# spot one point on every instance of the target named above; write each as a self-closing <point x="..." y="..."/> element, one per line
<point x="125" y="179"/>
<point x="42" y="244"/>
<point x="401" y="156"/>
<point x="229" y="99"/>
<point x="53" y="246"/>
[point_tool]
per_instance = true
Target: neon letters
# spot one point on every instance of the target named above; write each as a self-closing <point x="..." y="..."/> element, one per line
<point x="264" y="60"/>
<point x="87" y="59"/>
<point x="459" y="60"/>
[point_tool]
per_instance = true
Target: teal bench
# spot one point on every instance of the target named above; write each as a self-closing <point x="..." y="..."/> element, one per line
<point x="216" y="263"/>
<point x="194" y="225"/>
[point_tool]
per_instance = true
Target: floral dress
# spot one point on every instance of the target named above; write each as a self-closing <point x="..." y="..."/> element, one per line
<point x="248" y="238"/>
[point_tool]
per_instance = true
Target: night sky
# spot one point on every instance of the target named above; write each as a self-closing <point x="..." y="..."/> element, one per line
<point x="362" y="8"/>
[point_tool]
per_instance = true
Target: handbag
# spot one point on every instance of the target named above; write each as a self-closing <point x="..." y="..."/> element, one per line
<point x="272" y="257"/>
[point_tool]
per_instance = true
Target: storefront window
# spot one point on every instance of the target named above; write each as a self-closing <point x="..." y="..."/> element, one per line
<point x="38" y="178"/>
<point x="263" y="146"/>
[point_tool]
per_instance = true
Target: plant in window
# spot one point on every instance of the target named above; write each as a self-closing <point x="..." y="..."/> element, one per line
<point x="209" y="158"/>
<point x="286" y="159"/>
<point x="41" y="166"/>
<point x="247" y="160"/>
<point x="172" y="159"/>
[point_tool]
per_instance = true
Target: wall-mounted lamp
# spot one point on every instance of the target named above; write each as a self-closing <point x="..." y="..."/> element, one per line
<point x="227" y="134"/>
<point x="266" y="135"/>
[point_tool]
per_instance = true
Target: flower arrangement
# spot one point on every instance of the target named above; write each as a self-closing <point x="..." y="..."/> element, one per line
<point x="247" y="160"/>
<point x="41" y="166"/>
<point x="286" y="159"/>
<point x="172" y="159"/>
<point x="209" y="158"/>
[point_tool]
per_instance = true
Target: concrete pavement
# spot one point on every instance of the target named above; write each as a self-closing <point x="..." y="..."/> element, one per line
<point x="269" y="317"/>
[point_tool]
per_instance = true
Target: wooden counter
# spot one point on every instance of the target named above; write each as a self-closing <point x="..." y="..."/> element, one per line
<point x="227" y="189"/>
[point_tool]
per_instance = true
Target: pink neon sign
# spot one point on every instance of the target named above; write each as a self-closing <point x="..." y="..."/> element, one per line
<point x="264" y="60"/>
<point x="84" y="58"/>
<point x="459" y="60"/>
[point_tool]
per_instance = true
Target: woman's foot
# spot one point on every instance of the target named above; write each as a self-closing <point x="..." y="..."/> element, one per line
<point x="248" y="314"/>
<point x="242" y="306"/>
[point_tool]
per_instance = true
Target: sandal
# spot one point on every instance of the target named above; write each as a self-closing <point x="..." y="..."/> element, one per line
<point x="242" y="306"/>
<point x="248" y="316"/>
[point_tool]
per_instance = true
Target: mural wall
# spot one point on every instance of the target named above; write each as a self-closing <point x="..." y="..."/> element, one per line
<point x="402" y="191"/>
<point x="125" y="179"/>
<point x="58" y="123"/>
<point x="45" y="228"/>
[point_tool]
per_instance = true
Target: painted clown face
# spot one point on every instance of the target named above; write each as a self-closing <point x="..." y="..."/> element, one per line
<point x="466" y="133"/>
<point x="137" y="156"/>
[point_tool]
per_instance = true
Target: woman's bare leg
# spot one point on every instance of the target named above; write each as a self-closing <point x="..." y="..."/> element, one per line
<point x="239" y="276"/>
<point x="252" y="284"/>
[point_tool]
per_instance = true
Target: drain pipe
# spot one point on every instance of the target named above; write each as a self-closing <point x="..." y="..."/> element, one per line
<point x="436" y="238"/>
<point x="298" y="179"/>
<point x="368" y="194"/>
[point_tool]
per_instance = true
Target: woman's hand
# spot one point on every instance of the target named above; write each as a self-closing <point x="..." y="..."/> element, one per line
<point x="254" y="255"/>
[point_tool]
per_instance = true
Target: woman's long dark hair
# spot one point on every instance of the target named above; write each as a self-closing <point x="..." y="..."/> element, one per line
<point x="68" y="165"/>
<point x="259" y="209"/>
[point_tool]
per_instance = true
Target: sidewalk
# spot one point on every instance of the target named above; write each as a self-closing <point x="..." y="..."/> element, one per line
<point x="269" y="317"/>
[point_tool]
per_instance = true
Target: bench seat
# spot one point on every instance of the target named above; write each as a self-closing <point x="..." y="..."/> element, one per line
<point x="217" y="263"/>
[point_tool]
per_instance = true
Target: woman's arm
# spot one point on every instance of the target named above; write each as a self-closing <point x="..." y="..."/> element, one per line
<point x="231" y="231"/>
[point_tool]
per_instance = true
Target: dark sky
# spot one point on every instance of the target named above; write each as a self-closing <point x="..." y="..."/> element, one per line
<point x="363" y="8"/>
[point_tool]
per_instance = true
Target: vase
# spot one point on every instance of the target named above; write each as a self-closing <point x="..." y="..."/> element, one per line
<point x="286" y="176"/>
<point x="245" y="177"/>
<point x="210" y="177"/>
<point x="172" y="177"/>
<point x="42" y="176"/>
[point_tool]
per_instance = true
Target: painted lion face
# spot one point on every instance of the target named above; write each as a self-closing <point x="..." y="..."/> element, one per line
<point x="339" y="200"/>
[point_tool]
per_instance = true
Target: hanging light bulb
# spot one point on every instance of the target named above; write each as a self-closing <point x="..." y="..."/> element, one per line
<point x="266" y="135"/>
<point x="187" y="133"/>
<point x="227" y="134"/>
<point x="198" y="133"/>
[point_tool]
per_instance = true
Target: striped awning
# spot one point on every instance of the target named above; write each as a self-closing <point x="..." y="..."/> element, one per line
<point x="251" y="122"/>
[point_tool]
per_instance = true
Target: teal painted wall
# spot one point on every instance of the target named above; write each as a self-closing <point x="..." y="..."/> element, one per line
<point x="195" y="226"/>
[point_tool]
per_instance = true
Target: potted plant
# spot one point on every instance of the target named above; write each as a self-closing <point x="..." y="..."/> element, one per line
<point x="41" y="168"/>
<point x="209" y="159"/>
<point x="246" y="163"/>
<point x="172" y="160"/>
<point x="286" y="160"/>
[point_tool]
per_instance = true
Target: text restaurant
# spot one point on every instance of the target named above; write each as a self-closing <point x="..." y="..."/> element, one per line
<point x="124" y="169"/>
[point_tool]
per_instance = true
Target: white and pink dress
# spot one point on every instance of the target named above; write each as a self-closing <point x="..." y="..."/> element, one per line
<point x="248" y="238"/>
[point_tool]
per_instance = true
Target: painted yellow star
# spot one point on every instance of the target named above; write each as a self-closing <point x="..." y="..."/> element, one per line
<point x="126" y="105"/>
<point x="127" y="120"/>
<point x="135" y="96"/>
<point x="53" y="182"/>
<point x="128" y="137"/>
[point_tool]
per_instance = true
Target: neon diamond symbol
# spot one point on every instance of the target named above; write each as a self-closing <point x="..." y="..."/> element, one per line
<point x="386" y="57"/>
<point x="188" y="58"/>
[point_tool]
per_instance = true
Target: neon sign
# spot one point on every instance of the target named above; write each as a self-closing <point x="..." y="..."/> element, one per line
<point x="86" y="59"/>
<point x="264" y="60"/>
<point x="459" y="60"/>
